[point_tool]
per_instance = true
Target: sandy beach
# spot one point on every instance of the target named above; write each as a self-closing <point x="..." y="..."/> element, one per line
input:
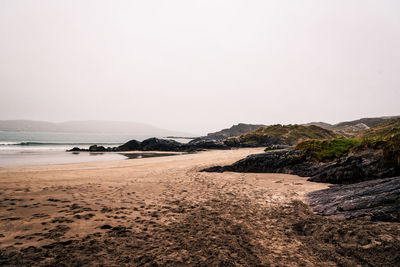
<point x="163" y="211"/>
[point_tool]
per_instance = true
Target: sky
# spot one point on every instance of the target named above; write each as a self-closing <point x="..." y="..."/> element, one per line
<point x="199" y="66"/>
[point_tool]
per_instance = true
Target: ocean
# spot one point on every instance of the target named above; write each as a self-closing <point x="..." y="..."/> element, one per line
<point x="39" y="148"/>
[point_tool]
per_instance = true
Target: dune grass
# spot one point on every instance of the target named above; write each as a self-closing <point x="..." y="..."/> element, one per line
<point x="327" y="150"/>
<point x="288" y="134"/>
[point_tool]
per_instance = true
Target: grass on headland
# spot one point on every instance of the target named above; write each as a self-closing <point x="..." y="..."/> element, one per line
<point x="386" y="129"/>
<point x="327" y="150"/>
<point x="390" y="145"/>
<point x="384" y="137"/>
<point x="285" y="134"/>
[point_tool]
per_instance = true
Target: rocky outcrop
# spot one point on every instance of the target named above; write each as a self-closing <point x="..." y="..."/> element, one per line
<point x="96" y="148"/>
<point x="351" y="169"/>
<point x="235" y="130"/>
<point x="93" y="148"/>
<point x="282" y="161"/>
<point x="357" y="168"/>
<point x="155" y="144"/>
<point x="378" y="199"/>
<point x="206" y="144"/>
<point x="131" y="145"/>
<point x="254" y="140"/>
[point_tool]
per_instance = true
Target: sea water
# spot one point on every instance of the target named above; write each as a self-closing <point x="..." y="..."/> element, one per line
<point x="38" y="148"/>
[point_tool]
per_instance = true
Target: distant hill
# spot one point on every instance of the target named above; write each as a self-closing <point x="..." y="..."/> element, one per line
<point x="319" y="124"/>
<point x="352" y="128"/>
<point x="88" y="127"/>
<point x="388" y="128"/>
<point x="384" y="137"/>
<point x="344" y="129"/>
<point x="370" y="122"/>
<point x="235" y="130"/>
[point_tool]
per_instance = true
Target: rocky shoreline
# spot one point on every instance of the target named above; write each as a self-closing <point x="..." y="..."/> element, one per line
<point x="377" y="199"/>
<point x="163" y="212"/>
<point x="346" y="170"/>
<point x="272" y="137"/>
<point x="369" y="183"/>
<point x="156" y="144"/>
<point x="312" y="152"/>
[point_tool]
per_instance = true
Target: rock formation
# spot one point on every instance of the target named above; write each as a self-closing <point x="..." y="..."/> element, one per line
<point x="378" y="199"/>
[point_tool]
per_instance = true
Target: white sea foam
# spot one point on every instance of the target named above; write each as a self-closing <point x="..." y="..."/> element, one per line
<point x="27" y="148"/>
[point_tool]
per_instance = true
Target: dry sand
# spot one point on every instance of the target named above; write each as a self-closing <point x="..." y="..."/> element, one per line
<point x="163" y="211"/>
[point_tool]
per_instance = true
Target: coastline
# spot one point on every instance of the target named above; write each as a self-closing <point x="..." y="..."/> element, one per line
<point x="162" y="210"/>
<point x="51" y="157"/>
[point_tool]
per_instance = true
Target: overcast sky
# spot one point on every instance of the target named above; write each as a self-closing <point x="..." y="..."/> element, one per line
<point x="199" y="66"/>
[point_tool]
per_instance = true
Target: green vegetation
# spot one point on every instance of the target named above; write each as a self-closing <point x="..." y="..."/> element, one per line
<point x="383" y="130"/>
<point x="287" y="134"/>
<point x="391" y="150"/>
<point x="235" y="130"/>
<point x="384" y="137"/>
<point x="389" y="144"/>
<point x="327" y="150"/>
<point x="323" y="145"/>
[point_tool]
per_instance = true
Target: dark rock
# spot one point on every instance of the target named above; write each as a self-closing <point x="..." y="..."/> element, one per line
<point x="351" y="169"/>
<point x="96" y="148"/>
<point x="281" y="161"/>
<point x="155" y="144"/>
<point x="217" y="169"/>
<point x="355" y="168"/>
<point x="200" y="139"/>
<point x="93" y="148"/>
<point x="130" y="146"/>
<point x="206" y="144"/>
<point x="254" y="141"/>
<point x="378" y="199"/>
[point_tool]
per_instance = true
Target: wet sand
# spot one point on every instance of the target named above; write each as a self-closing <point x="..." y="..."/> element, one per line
<point x="163" y="211"/>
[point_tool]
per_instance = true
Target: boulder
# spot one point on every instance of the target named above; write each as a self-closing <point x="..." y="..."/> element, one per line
<point x="155" y="144"/>
<point x="206" y="144"/>
<point x="96" y="148"/>
<point x="130" y="146"/>
<point x="281" y="161"/>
